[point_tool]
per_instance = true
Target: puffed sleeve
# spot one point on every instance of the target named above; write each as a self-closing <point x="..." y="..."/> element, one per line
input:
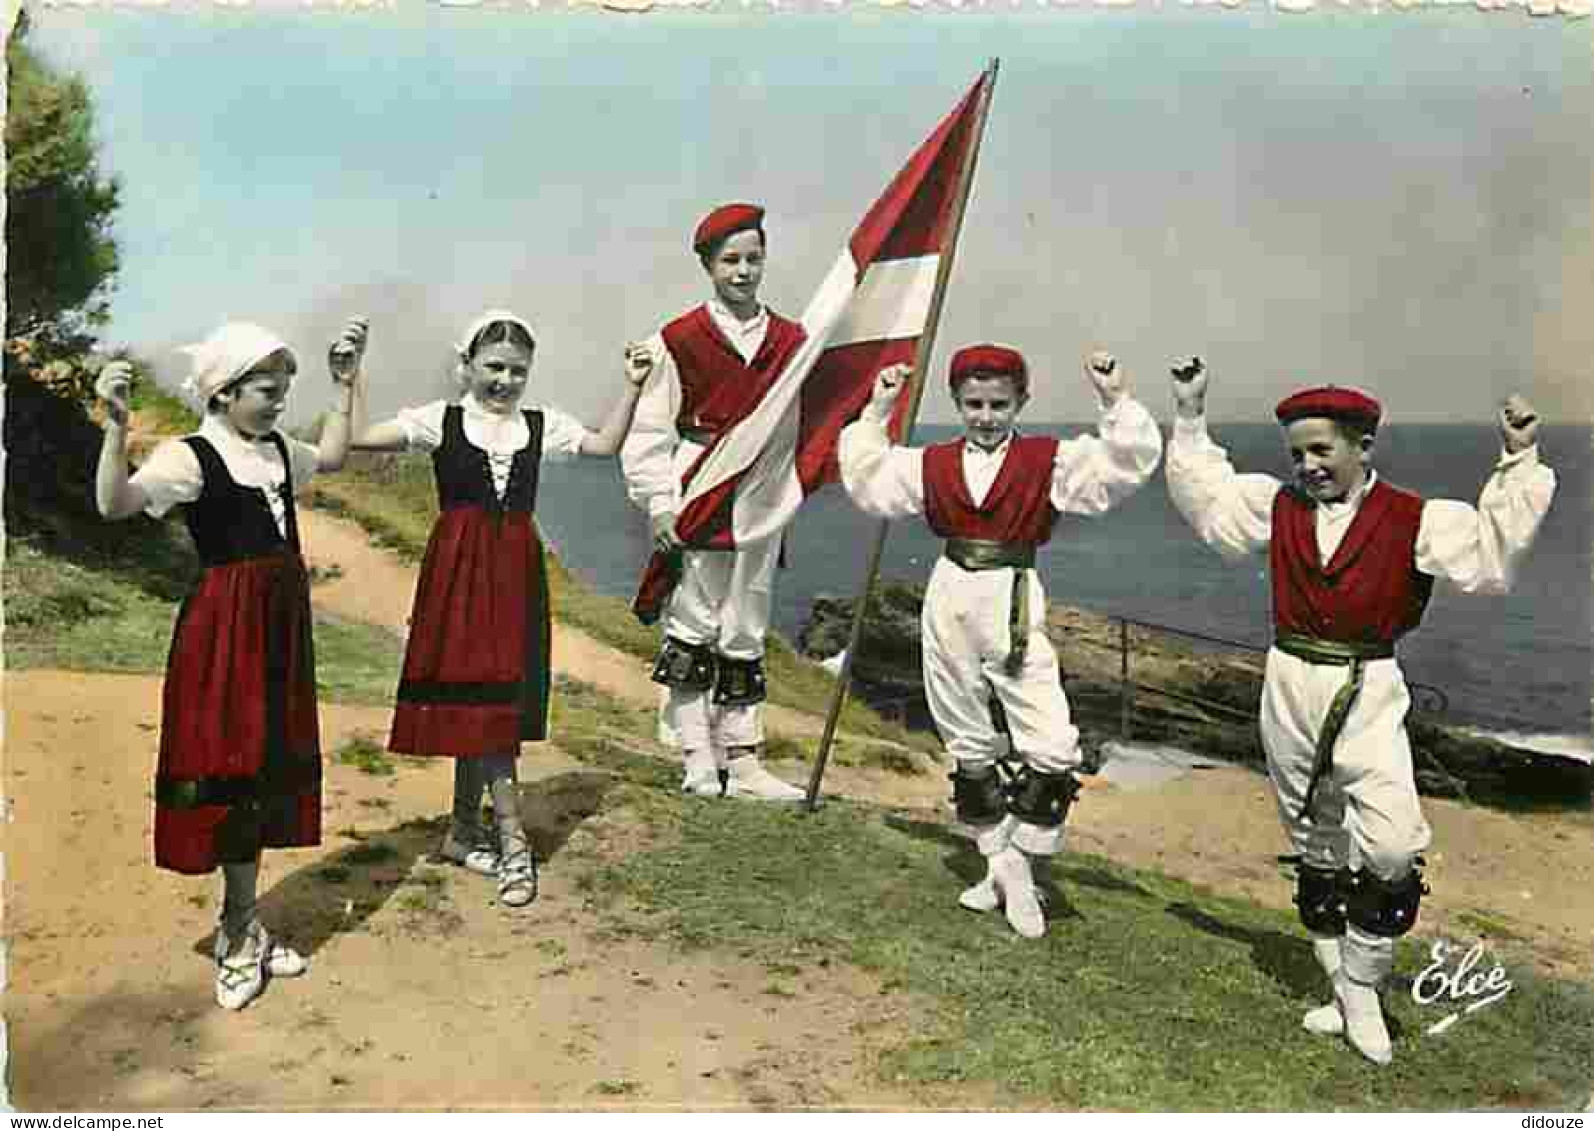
<point x="1230" y="512"/>
<point x="1478" y="549"/>
<point x="882" y="479"/>
<point x="1093" y="474"/>
<point x="647" y="458"/>
<point x="561" y="434"/>
<point x="170" y="477"/>
<point x="423" y="425"/>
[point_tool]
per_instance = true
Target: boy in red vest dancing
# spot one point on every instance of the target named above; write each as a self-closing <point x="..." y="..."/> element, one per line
<point x="709" y="369"/>
<point x="1353" y="561"/>
<point x="994" y="496"/>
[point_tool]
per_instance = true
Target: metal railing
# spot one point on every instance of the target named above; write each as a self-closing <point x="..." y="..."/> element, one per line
<point x="1426" y="699"/>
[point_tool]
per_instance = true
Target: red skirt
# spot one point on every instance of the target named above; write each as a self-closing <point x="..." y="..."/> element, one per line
<point x="240" y="749"/>
<point x="476" y="669"/>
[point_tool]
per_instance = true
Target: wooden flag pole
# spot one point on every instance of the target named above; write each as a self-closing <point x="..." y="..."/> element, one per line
<point x="921" y="364"/>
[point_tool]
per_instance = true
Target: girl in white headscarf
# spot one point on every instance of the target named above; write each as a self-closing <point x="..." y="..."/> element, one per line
<point x="240" y="757"/>
<point x="476" y="668"/>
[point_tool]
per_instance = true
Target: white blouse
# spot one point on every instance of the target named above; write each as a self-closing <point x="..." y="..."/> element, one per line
<point x="497" y="434"/>
<point x="172" y="475"/>
<point x="1475" y="550"/>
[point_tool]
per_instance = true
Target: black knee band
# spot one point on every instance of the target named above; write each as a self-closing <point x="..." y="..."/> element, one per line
<point x="1043" y="799"/>
<point x="978" y="797"/>
<point x="1384" y="908"/>
<point x="687" y="666"/>
<point x="740" y="682"/>
<point x="1320" y="898"/>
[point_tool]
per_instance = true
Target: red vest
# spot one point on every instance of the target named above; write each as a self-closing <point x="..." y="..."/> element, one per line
<point x="717" y="387"/>
<point x="1370" y="591"/>
<point x="1017" y="508"/>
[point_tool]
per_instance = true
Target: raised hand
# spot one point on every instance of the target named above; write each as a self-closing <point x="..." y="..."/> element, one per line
<point x="347" y="352"/>
<point x="1106" y="376"/>
<point x="1189" y="387"/>
<point x="114" y="387"/>
<point x="888" y="386"/>
<point x="1519" y="423"/>
<point x="639" y="363"/>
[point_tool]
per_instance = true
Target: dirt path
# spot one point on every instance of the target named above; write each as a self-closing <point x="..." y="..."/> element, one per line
<point x="422" y="993"/>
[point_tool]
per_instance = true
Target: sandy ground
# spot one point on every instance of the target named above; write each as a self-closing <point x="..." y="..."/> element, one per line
<point x="424" y="994"/>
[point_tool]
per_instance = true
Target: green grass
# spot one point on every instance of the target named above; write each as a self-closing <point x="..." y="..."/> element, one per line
<point x="85" y="615"/>
<point x="160" y="411"/>
<point x="1146" y="994"/>
<point x="356" y="663"/>
<point x="366" y="755"/>
<point x="395" y="500"/>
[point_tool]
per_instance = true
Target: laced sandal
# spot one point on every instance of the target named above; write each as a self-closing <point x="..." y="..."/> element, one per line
<point x="282" y="961"/>
<point x="517" y="878"/>
<point x="241" y="967"/>
<point x="471" y="849"/>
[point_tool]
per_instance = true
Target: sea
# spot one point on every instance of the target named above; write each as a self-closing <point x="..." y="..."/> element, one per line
<point x="1517" y="666"/>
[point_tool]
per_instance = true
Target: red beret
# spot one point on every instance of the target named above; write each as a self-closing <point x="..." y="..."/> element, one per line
<point x="1332" y="403"/>
<point x="726" y="220"/>
<point x="989" y="361"/>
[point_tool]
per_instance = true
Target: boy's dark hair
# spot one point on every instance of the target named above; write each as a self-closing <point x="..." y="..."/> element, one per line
<point x="1355" y="431"/>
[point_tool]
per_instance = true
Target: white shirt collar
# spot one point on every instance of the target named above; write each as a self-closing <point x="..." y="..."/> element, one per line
<point x="217" y="430"/>
<point x="730" y="323"/>
<point x="1352" y="502"/>
<point x="970" y="448"/>
<point x="475" y="408"/>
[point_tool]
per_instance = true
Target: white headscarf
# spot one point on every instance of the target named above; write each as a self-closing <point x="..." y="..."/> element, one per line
<point x="486" y="319"/>
<point x="230" y="352"/>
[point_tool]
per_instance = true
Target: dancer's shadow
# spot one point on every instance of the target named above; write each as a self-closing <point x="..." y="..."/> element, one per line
<point x="1076" y="870"/>
<point x="552" y="808"/>
<point x="1285" y="958"/>
<point x="340" y="892"/>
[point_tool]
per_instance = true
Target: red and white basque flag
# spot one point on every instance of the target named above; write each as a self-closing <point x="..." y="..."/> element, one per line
<point x="870" y="312"/>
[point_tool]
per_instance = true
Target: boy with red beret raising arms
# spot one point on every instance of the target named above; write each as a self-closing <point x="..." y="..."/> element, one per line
<point x="1353" y="561"/>
<point x="994" y="496"/>
<point x="708" y="369"/>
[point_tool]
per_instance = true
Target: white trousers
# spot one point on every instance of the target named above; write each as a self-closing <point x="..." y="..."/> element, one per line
<point x="722" y="601"/>
<point x="1366" y="812"/>
<point x="966" y="643"/>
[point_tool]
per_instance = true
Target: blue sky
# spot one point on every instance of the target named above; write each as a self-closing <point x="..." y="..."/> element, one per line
<point x="1399" y="200"/>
